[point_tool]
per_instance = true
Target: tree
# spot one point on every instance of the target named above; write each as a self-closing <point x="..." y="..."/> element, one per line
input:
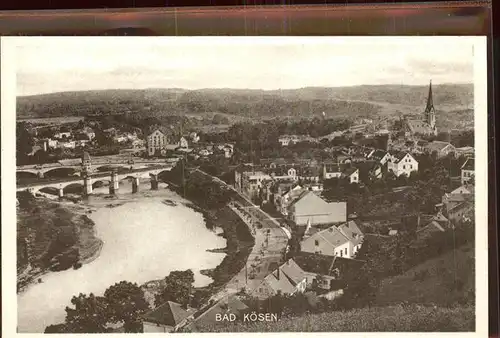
<point x="102" y="138"/>
<point x="178" y="286"/>
<point x="57" y="328"/>
<point x="87" y="316"/>
<point x="126" y="303"/>
<point x="362" y="283"/>
<point x="24" y="142"/>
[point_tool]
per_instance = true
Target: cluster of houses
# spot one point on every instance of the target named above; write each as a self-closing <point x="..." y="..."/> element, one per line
<point x="286" y="140"/>
<point x="68" y="139"/>
<point x="329" y="239"/>
<point x="260" y="182"/>
<point x="160" y="141"/>
<point x="82" y="137"/>
<point x="328" y="251"/>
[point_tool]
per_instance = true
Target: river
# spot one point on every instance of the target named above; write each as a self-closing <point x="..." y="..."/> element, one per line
<point x="144" y="239"/>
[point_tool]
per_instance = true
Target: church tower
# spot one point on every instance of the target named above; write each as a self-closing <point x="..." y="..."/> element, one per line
<point x="430" y="113"/>
<point x="86" y="163"/>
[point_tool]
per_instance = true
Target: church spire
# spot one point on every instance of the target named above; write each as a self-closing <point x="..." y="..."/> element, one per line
<point x="430" y="112"/>
<point x="430" y="104"/>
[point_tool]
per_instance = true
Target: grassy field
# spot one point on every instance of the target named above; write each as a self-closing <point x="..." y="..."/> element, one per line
<point x="444" y="281"/>
<point x="377" y="319"/>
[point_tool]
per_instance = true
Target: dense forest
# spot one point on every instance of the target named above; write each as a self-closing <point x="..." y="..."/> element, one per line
<point x="338" y="102"/>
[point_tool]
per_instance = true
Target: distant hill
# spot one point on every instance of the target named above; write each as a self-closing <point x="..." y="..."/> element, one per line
<point x="304" y="102"/>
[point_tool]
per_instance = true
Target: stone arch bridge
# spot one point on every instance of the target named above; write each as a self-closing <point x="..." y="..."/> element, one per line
<point x="89" y="181"/>
<point x="41" y="170"/>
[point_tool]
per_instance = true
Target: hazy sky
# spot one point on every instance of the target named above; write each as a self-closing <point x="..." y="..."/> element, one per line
<point x="46" y="65"/>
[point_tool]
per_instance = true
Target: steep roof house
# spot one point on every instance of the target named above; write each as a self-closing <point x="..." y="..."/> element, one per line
<point x="459" y="195"/>
<point x="402" y="163"/>
<point x="466" y="151"/>
<point x="289" y="278"/>
<point x="166" y="317"/>
<point x="343" y="241"/>
<point x="381" y="156"/>
<point x="441" y="148"/>
<point x="467" y="171"/>
<point x="230" y="304"/>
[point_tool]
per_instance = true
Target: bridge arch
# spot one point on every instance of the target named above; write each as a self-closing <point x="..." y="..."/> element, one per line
<point x="163" y="172"/>
<point x="26" y="174"/>
<point x="100" y="182"/>
<point x="61" y="172"/>
<point x="110" y="167"/>
<point x="75" y="187"/>
<point x="49" y="190"/>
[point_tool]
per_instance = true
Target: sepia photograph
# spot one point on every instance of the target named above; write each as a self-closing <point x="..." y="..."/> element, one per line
<point x="230" y="184"/>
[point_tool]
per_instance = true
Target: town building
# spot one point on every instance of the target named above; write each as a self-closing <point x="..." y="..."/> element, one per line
<point x="183" y="143"/>
<point x="402" y="163"/>
<point x="381" y="156"/>
<point x="228" y="150"/>
<point x="166" y="318"/>
<point x="341" y="171"/>
<point x="89" y="132"/>
<point x="441" y="148"/>
<point x="359" y="128"/>
<point x="436" y="223"/>
<point x="426" y="124"/>
<point x="318" y="269"/>
<point x="229" y="305"/>
<point x="457" y="213"/>
<point x="205" y="152"/>
<point x="458" y="205"/>
<point x="343" y="240"/>
<point x="459" y="195"/>
<point x="250" y="183"/>
<point x="309" y="208"/>
<point x="467" y="171"/>
<point x="63" y="135"/>
<point x="120" y="138"/>
<point x="68" y="144"/>
<point x="286" y="140"/>
<point x="156" y="141"/>
<point x="326" y="272"/>
<point x="287" y="279"/>
<point x="50" y="144"/>
<point x="194" y="137"/>
<point x="285" y="193"/>
<point x="465" y="151"/>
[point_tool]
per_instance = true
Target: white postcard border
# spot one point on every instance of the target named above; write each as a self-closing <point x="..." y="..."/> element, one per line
<point x="8" y="106"/>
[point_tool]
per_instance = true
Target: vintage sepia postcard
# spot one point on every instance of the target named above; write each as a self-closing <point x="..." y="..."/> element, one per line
<point x="236" y="184"/>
